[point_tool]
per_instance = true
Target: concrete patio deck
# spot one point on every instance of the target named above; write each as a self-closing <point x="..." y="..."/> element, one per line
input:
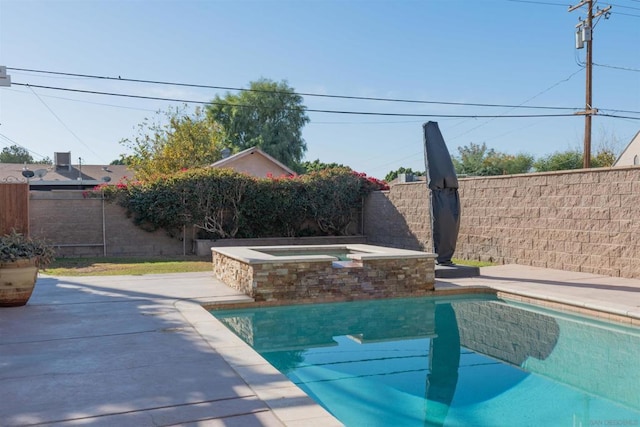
<point x="141" y="351"/>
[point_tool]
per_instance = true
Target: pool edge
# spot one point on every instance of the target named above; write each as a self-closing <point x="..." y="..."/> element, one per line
<point x="587" y="309"/>
<point x="292" y="406"/>
<point x="288" y="403"/>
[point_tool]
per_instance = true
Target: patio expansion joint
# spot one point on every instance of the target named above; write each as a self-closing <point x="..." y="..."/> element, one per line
<point x="81" y="337"/>
<point x="155" y="408"/>
<point x="115" y="300"/>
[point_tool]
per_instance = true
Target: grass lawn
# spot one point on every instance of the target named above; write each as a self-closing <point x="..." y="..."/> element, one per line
<point x="110" y="266"/>
<point x="472" y="263"/>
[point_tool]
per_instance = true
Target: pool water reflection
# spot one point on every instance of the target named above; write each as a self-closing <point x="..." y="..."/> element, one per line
<point x="454" y="361"/>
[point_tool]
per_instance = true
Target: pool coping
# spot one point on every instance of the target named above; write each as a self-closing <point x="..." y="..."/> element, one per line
<point x="256" y="254"/>
<point x="292" y="405"/>
<point x="592" y="310"/>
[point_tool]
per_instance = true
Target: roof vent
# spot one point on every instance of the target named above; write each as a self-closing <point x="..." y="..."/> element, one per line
<point x="405" y="177"/>
<point x="62" y="160"/>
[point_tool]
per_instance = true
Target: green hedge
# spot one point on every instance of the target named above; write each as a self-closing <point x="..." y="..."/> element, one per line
<point x="226" y="204"/>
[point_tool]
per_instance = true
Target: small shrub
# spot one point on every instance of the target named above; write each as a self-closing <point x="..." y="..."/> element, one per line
<point x="16" y="246"/>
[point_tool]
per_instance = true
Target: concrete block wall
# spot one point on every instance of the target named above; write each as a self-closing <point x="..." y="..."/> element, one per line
<point x="68" y="221"/>
<point x="584" y="220"/>
<point x="74" y="224"/>
<point x="399" y="218"/>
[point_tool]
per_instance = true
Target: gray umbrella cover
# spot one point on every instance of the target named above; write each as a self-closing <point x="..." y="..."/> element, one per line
<point x="445" y="201"/>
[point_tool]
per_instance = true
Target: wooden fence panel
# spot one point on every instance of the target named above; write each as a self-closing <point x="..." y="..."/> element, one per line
<point x="14" y="207"/>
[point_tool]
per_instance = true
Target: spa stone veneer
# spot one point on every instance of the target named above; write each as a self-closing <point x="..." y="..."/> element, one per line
<point x="287" y="273"/>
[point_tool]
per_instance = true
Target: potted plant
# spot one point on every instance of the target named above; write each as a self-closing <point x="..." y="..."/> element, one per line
<point x="20" y="259"/>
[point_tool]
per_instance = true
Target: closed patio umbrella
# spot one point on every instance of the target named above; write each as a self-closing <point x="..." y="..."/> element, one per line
<point x="445" y="201"/>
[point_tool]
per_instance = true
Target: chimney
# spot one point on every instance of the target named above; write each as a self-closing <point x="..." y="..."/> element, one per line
<point x="62" y="160"/>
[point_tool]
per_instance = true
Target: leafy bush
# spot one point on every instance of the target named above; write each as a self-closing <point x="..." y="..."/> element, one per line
<point x="334" y="195"/>
<point x="276" y="207"/>
<point x="226" y="204"/>
<point x="15" y="246"/>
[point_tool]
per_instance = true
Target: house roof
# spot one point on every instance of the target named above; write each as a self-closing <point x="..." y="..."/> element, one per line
<point x="49" y="175"/>
<point x="635" y="140"/>
<point x="229" y="161"/>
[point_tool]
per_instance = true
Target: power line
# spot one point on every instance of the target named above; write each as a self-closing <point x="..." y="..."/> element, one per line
<point x="619" y="111"/>
<point x="566" y="5"/>
<point x="356" y="112"/>
<point x="625" y="14"/>
<point x="19" y="145"/>
<point x="617" y="67"/>
<point x="364" y="113"/>
<point x="624" y="7"/>
<point x="84" y="101"/>
<point x="360" y="98"/>
<point x="544" y="3"/>
<point x="524" y="102"/>
<point x="538" y="2"/>
<point x="619" y="117"/>
<point x="62" y="123"/>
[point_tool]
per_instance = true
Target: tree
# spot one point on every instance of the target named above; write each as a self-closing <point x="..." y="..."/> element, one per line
<point x="478" y="160"/>
<point x="174" y="140"/>
<point x="470" y="159"/>
<point x="507" y="164"/>
<point x="603" y="158"/>
<point x="15" y="154"/>
<point x="572" y="159"/>
<point x="317" y="166"/>
<point x="609" y="147"/>
<point x="394" y="174"/>
<point x="269" y="115"/>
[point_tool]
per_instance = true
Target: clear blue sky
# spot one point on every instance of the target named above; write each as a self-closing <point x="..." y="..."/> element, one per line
<point x="487" y="52"/>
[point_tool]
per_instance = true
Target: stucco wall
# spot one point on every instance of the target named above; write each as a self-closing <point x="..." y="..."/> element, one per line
<point x="631" y="154"/>
<point x="256" y="165"/>
<point x="586" y="220"/>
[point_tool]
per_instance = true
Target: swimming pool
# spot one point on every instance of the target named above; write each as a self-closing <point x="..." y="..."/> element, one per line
<point x="452" y="361"/>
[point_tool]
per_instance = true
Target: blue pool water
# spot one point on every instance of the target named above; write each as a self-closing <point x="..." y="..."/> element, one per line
<point x="451" y="362"/>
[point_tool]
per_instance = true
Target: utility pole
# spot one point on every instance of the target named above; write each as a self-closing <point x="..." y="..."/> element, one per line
<point x="5" y="79"/>
<point x="584" y="34"/>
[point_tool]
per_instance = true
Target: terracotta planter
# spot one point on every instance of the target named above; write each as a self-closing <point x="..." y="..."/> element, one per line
<point x="17" y="280"/>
